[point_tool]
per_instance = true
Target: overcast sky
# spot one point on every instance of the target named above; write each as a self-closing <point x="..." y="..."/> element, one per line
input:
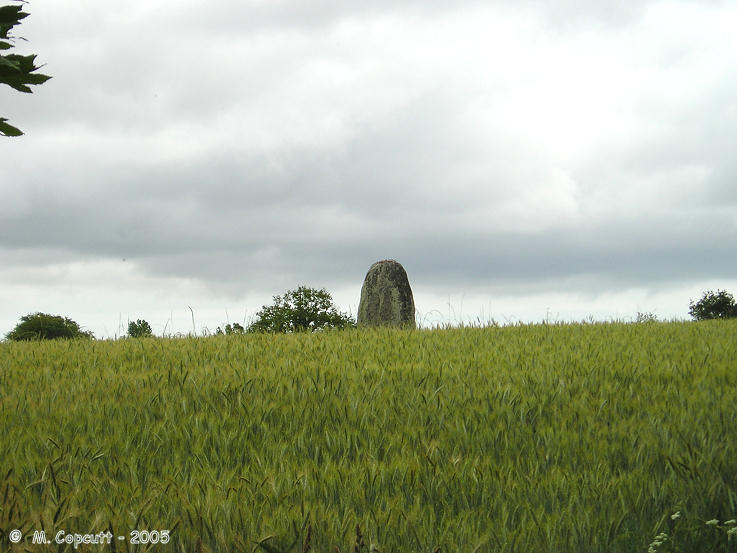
<point x="523" y="159"/>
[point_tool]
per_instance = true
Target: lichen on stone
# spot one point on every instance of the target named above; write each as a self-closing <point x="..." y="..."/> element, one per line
<point x="386" y="296"/>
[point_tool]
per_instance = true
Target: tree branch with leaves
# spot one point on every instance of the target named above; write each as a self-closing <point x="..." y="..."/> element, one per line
<point x="16" y="71"/>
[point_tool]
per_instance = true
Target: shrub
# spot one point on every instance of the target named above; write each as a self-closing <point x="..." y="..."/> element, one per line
<point x="40" y="326"/>
<point x="646" y="317"/>
<point x="304" y="309"/>
<point x="235" y="328"/>
<point x="139" y="329"/>
<point x="719" y="305"/>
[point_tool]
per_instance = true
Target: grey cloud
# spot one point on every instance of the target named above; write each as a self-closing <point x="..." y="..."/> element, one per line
<point x="289" y="14"/>
<point x="231" y="221"/>
<point x="204" y="156"/>
<point x="289" y="245"/>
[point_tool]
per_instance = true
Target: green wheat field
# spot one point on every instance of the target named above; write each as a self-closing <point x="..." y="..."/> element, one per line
<point x="600" y="437"/>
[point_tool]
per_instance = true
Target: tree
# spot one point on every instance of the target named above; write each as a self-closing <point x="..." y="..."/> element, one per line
<point x="139" y="329"/>
<point x="16" y="71"/>
<point x="304" y="309"/>
<point x="713" y="305"/>
<point x="40" y="326"/>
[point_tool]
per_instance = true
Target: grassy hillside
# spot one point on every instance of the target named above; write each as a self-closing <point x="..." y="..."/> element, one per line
<point x="546" y="438"/>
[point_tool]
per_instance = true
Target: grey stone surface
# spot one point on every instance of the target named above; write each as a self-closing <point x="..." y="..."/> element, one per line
<point x="386" y="297"/>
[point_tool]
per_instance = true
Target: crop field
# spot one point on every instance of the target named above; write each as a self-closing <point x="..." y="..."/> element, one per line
<point x="532" y="438"/>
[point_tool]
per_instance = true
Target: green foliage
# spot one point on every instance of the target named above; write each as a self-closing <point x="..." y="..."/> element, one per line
<point x="235" y="328"/>
<point x="548" y="438"/>
<point x="646" y="317"/>
<point x="16" y="71"/>
<point x="300" y="310"/>
<point x="139" y="329"/>
<point x="713" y="305"/>
<point x="40" y="326"/>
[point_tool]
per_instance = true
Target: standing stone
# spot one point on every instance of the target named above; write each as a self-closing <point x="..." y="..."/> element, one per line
<point x="386" y="298"/>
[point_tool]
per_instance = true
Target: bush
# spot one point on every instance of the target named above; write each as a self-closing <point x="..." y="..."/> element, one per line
<point x="139" y="329"/>
<point x="235" y="328"/>
<point x="719" y="305"/>
<point x="301" y="310"/>
<point x="40" y="326"/>
<point x="646" y="317"/>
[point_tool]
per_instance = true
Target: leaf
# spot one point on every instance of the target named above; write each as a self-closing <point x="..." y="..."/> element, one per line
<point x="8" y="130"/>
<point x="267" y="546"/>
<point x="18" y="72"/>
<point x="20" y="87"/>
<point x="8" y="65"/>
<point x="10" y="16"/>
